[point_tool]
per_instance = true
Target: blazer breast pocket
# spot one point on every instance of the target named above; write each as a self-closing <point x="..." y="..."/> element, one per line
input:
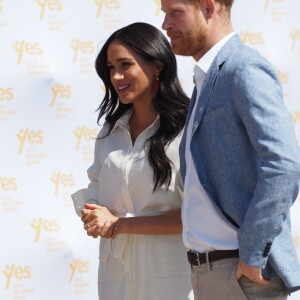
<point x="215" y="108"/>
<point x="216" y="116"/>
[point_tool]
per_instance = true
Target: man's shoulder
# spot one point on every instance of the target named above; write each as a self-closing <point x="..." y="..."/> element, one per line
<point x="244" y="54"/>
<point x="244" y="60"/>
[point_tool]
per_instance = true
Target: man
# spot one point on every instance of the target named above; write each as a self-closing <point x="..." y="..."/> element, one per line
<point x="239" y="161"/>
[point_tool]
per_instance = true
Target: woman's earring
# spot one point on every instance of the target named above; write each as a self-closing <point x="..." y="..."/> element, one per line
<point x="155" y="85"/>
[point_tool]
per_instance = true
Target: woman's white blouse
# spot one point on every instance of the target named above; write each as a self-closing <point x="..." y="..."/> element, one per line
<point x="132" y="266"/>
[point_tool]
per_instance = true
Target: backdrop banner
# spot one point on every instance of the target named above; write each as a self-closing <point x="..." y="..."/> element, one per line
<point x="49" y="92"/>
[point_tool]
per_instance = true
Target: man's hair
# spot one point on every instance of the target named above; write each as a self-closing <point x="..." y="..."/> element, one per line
<point x="226" y="3"/>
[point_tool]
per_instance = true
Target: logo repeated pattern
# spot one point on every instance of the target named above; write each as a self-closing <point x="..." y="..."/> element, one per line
<point x="27" y="136"/>
<point x="109" y="4"/>
<point x="51" y="5"/>
<point x="29" y="48"/>
<point x="14" y="272"/>
<point x="49" y="93"/>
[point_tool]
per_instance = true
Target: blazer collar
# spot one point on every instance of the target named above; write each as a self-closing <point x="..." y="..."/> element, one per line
<point x="227" y="49"/>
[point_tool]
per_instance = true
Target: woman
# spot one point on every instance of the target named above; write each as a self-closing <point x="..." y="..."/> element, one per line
<point x="135" y="176"/>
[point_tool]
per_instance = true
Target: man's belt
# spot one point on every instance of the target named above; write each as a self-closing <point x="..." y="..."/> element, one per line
<point x="197" y="259"/>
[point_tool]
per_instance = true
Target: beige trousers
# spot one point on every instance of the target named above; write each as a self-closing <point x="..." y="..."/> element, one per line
<point x="216" y="281"/>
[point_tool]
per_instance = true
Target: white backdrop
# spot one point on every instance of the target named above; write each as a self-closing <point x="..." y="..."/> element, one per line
<point x="48" y="94"/>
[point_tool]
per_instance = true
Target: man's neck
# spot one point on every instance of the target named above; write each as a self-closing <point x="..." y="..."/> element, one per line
<point x="218" y="32"/>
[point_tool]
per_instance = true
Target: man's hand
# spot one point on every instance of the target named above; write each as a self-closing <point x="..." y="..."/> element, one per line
<point x="252" y="273"/>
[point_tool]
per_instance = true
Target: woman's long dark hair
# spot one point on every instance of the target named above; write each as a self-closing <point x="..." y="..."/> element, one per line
<point x="169" y="101"/>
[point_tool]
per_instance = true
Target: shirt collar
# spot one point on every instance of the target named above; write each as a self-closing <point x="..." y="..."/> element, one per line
<point x="123" y="121"/>
<point x="203" y="65"/>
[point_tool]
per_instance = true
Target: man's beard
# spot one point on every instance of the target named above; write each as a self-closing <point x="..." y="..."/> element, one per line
<point x="191" y="42"/>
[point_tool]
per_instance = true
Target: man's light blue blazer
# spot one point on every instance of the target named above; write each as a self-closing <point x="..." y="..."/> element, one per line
<point x="247" y="158"/>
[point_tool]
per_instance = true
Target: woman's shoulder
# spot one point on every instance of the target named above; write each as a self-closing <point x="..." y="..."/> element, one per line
<point x="104" y="131"/>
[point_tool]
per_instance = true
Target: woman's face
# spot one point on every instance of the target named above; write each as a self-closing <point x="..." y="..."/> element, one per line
<point x="131" y="76"/>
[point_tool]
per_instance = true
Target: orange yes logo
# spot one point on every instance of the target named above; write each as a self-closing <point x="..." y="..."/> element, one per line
<point x="17" y="272"/>
<point x="267" y="3"/>
<point x="296" y="241"/>
<point x="29" y="48"/>
<point x="60" y="90"/>
<point x="82" y="266"/>
<point x="8" y="184"/>
<point x="60" y="179"/>
<point x="48" y="225"/>
<point x="295" y="36"/>
<point x="6" y="94"/>
<point x="283" y="77"/>
<point x="50" y="4"/>
<point x="296" y="117"/>
<point x="31" y="136"/>
<point x="108" y="3"/>
<point x="157" y="6"/>
<point x="83" y="133"/>
<point x="296" y="121"/>
<point x="252" y="38"/>
<point x="80" y="46"/>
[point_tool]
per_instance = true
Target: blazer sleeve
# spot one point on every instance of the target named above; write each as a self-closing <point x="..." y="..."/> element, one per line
<point x="258" y="101"/>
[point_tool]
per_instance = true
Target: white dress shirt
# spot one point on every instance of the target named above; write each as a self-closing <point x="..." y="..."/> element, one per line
<point x="137" y="266"/>
<point x="203" y="227"/>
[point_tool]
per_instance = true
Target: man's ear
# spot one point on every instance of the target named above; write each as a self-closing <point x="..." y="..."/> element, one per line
<point x="209" y="7"/>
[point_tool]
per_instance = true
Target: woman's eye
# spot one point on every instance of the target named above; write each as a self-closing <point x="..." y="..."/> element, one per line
<point x="110" y="67"/>
<point x="126" y="64"/>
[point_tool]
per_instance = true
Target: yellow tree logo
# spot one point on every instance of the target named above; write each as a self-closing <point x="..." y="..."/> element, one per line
<point x="60" y="90"/>
<point x="80" y="46"/>
<point x="29" y="136"/>
<point x="17" y="272"/>
<point x="49" y="4"/>
<point x="252" y="38"/>
<point x="295" y="36"/>
<point x="40" y="225"/>
<point x="296" y="240"/>
<point x="110" y="4"/>
<point x="296" y="120"/>
<point x="267" y="3"/>
<point x="283" y="77"/>
<point x="8" y="184"/>
<point x="157" y="6"/>
<point x="296" y="117"/>
<point x="83" y="133"/>
<point x="6" y="93"/>
<point x="60" y="179"/>
<point x="25" y="47"/>
<point x="78" y="266"/>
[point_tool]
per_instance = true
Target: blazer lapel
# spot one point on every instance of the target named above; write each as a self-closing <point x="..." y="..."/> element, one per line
<point x="204" y="96"/>
<point x="211" y="78"/>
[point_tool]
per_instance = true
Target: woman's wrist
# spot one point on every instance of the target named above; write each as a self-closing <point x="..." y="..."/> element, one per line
<point x="119" y="225"/>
